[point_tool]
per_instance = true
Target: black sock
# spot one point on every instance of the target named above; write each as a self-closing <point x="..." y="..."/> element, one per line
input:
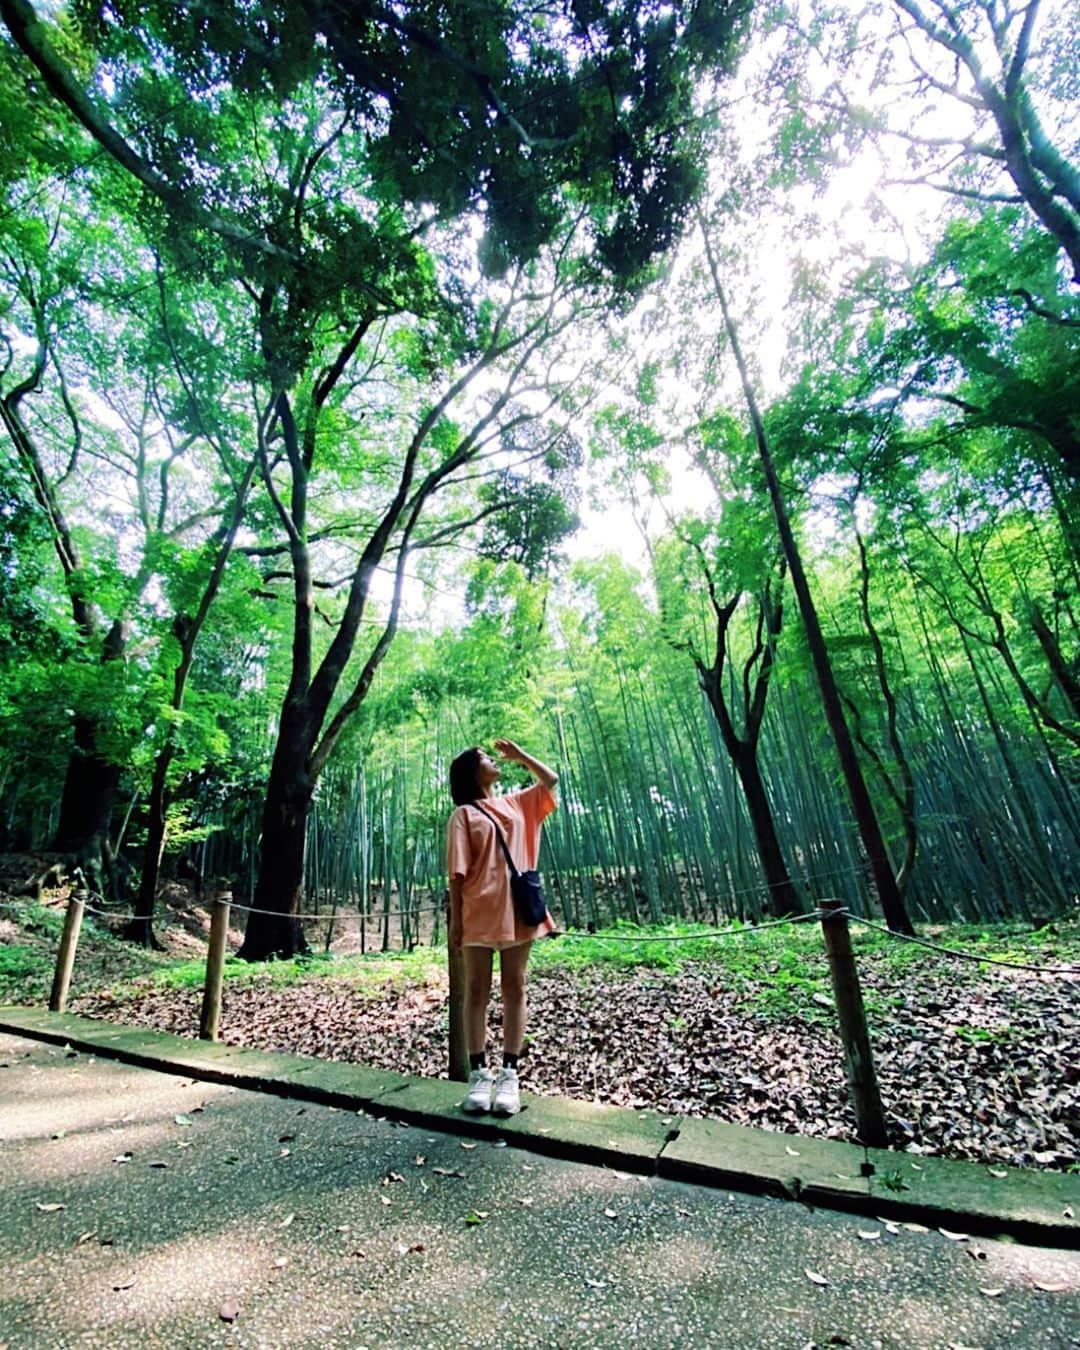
<point x="477" y="1061"/>
<point x="509" y="1060"/>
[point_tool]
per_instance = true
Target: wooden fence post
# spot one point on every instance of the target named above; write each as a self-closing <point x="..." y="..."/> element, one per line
<point x="858" y="1059"/>
<point x="65" y="957"/>
<point x="215" y="966"/>
<point x="459" y="1050"/>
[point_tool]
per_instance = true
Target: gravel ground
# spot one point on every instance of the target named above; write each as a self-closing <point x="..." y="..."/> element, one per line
<point x="310" y="1226"/>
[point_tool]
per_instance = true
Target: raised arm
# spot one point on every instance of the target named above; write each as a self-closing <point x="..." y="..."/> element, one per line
<point x="514" y="753"/>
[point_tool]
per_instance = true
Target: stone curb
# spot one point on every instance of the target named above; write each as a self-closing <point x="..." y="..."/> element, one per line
<point x="964" y="1198"/>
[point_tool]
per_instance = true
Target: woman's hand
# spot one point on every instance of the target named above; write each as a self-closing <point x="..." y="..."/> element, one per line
<point x="514" y="753"/>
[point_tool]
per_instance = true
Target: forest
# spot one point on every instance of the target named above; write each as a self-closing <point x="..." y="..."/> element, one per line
<point x="690" y="392"/>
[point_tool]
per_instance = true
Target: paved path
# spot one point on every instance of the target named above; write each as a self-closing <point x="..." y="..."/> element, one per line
<point x="327" y="1227"/>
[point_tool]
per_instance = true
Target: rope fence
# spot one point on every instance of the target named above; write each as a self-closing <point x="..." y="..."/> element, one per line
<point x="967" y="956"/>
<point x="376" y="919"/>
<point x="832" y="914"/>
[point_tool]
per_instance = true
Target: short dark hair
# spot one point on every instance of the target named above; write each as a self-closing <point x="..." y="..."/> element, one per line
<point x="464" y="787"/>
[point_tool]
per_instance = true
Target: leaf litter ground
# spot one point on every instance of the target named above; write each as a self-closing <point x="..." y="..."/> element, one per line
<point x="974" y="1062"/>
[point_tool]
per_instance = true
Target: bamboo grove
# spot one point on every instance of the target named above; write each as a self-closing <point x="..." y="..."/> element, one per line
<point x="339" y="436"/>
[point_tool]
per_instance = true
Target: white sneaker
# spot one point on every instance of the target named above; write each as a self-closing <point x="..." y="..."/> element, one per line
<point x="478" y="1097"/>
<point x="506" y="1102"/>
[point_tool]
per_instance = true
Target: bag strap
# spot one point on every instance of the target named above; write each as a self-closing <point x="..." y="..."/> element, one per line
<point x="509" y="861"/>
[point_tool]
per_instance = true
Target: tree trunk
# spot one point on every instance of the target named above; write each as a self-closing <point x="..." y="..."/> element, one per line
<point x="892" y="903"/>
<point x="280" y="880"/>
<point x="1068" y="683"/>
<point x="90" y="787"/>
<point x="783" y="897"/>
<point x="140" y="929"/>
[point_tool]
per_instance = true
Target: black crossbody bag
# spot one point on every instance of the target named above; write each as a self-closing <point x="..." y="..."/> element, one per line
<point x="525" y="887"/>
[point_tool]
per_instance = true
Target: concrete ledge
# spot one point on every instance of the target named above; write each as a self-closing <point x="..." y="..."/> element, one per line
<point x="1040" y="1207"/>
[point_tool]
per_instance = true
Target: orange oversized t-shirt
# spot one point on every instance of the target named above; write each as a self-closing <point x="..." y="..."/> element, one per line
<point x="473" y="853"/>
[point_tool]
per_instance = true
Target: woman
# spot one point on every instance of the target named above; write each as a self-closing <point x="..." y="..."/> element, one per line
<point x="482" y="918"/>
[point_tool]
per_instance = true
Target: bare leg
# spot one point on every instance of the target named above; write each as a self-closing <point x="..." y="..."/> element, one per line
<point x="512" y="963"/>
<point x="477" y="994"/>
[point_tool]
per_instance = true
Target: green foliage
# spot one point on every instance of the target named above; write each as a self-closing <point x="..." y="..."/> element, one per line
<point x="325" y="185"/>
<point x="22" y="965"/>
<point x="277" y="974"/>
<point x="600" y="101"/>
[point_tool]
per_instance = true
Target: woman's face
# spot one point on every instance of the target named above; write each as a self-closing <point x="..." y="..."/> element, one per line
<point x="487" y="770"/>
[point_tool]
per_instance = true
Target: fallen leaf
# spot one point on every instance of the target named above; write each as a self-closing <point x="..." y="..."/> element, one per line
<point x="285" y="1153"/>
<point x="286" y="1220"/>
<point x="463" y="1144"/>
<point x="122" y="1158"/>
<point x="127" y="1284"/>
<point x="525" y="1200"/>
<point x="51" y="1206"/>
<point x="953" y="1237"/>
<point x="1050" y="1287"/>
<point x="280" y="1262"/>
<point x="610" y="1214"/>
<point x="596" y="1284"/>
<point x="86" y="1237"/>
<point x="183" y="1120"/>
<point x="997" y="1172"/>
<point x="158" y="1164"/>
<point x="358" y="1252"/>
<point x="814" y="1277"/>
<point x="476" y="1216"/>
<point x="870" y="1235"/>
<point x="229" y="1310"/>
<point x="794" y="1152"/>
<point x="419" y="1160"/>
<point x="916" y="1228"/>
<point x="992" y="1293"/>
<point x="499" y="1143"/>
<point x="385" y="1199"/>
<point x="447" y="1172"/>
